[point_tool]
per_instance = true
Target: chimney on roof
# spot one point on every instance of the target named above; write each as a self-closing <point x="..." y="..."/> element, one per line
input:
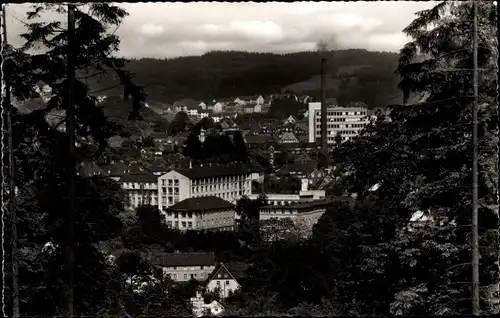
<point x="190" y="164"/>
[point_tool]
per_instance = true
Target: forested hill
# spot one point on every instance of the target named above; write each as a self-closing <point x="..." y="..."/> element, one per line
<point x="353" y="75"/>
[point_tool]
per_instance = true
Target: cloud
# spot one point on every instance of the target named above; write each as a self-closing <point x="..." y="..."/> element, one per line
<point x="166" y="30"/>
<point x="151" y="29"/>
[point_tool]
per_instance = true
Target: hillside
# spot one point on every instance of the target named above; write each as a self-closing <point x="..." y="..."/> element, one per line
<point x="353" y="75"/>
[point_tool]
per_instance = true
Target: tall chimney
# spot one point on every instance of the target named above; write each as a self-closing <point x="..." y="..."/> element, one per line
<point x="324" y="141"/>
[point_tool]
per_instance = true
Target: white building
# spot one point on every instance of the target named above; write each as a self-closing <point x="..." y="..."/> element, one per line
<point x="303" y="214"/>
<point x="304" y="195"/>
<point x="141" y="189"/>
<point x="346" y="121"/>
<point x="229" y="183"/>
<point x="182" y="267"/>
<point x="208" y="213"/>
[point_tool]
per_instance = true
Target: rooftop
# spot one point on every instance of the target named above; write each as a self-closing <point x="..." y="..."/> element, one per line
<point x="305" y="168"/>
<point x="221" y="272"/>
<point x="306" y="204"/>
<point x="201" y="204"/>
<point x="214" y="171"/>
<point x="140" y="177"/>
<point x="184" y="259"/>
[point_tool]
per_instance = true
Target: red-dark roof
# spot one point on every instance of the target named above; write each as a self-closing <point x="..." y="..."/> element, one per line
<point x="222" y="271"/>
<point x="215" y="171"/>
<point x="139" y="177"/>
<point x="305" y="168"/>
<point x="184" y="259"/>
<point x="200" y="204"/>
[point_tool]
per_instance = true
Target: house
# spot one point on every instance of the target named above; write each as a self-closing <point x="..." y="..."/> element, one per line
<point x="116" y="170"/>
<point x="288" y="138"/>
<point x="202" y="105"/>
<point x="185" y="105"/>
<point x="218" y="107"/>
<point x="306" y="170"/>
<point x="182" y="267"/>
<point x="249" y="109"/>
<point x="159" y="138"/>
<point x="221" y="279"/>
<point x="289" y="120"/>
<point x="257" y="108"/>
<point x="305" y="99"/>
<point x="89" y="169"/>
<point x="202" y="213"/>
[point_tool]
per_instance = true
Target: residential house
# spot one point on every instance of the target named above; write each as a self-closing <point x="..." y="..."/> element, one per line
<point x="258" y="141"/>
<point x="221" y="279"/>
<point x="141" y="188"/>
<point x="201" y="213"/>
<point x="182" y="267"/>
<point x="116" y="170"/>
<point x="218" y="107"/>
<point x="89" y="169"/>
<point x="289" y="120"/>
<point x="202" y="105"/>
<point x="159" y="138"/>
<point x="306" y="170"/>
<point x="248" y="109"/>
<point x="185" y="105"/>
<point x="288" y="138"/>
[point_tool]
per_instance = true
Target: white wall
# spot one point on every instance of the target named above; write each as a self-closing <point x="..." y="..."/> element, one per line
<point x="183" y="273"/>
<point x="225" y="285"/>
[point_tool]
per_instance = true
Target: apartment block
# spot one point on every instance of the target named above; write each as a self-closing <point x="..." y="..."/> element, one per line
<point x="346" y="121"/>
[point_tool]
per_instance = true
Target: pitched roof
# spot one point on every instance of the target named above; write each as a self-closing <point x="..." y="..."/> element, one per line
<point x="308" y="204"/>
<point x="201" y="204"/>
<point x="214" y="171"/>
<point x="258" y="139"/>
<point x="90" y="169"/>
<point x="139" y="177"/>
<point x="188" y="102"/>
<point x="184" y="259"/>
<point x="305" y="168"/>
<point x="220" y="272"/>
<point x="116" y="169"/>
<point x="288" y="136"/>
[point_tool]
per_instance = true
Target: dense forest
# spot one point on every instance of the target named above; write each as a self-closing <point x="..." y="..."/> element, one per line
<point x="352" y="75"/>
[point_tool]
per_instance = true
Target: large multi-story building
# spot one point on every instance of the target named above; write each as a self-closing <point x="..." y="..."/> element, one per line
<point x="229" y="183"/>
<point x="346" y="121"/>
<point x="140" y="189"/>
<point x="208" y="213"/>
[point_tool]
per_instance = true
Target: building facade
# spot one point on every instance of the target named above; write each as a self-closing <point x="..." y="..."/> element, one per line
<point x="221" y="279"/>
<point x="141" y="188"/>
<point x="346" y="121"/>
<point x="208" y="213"/>
<point x="182" y="267"/>
<point x="229" y="183"/>
<point x="303" y="214"/>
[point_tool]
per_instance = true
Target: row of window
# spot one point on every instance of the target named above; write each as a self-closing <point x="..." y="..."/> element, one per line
<point x="137" y="185"/>
<point x="170" y="182"/>
<point x="357" y="113"/>
<point x="170" y="190"/>
<point x="342" y="132"/>
<point x="318" y="119"/>
<point x="215" y="180"/>
<point x="218" y="187"/>
<point x="330" y="126"/>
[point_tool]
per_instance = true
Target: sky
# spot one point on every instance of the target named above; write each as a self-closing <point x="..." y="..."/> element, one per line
<point x="166" y="30"/>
